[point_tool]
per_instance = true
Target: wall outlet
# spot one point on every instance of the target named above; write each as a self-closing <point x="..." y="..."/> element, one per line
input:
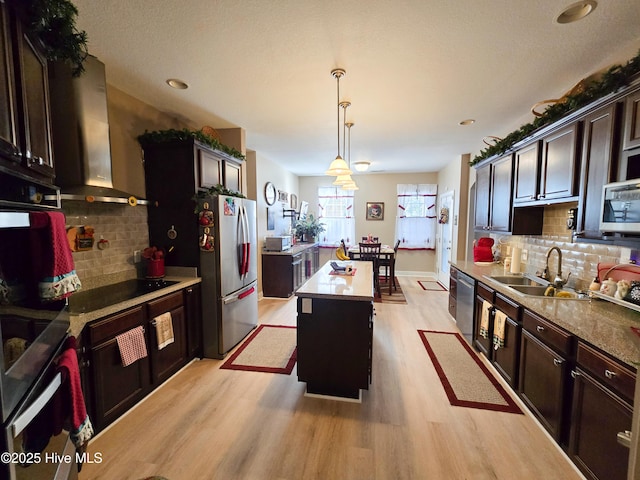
<point x="525" y="255"/>
<point x="137" y="257"/>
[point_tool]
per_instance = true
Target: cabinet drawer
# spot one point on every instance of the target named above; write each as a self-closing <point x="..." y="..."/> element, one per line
<point x="165" y="304"/>
<point x="485" y="292"/>
<point x="508" y="306"/>
<point x="547" y="332"/>
<point x="109" y="327"/>
<point x="609" y="372"/>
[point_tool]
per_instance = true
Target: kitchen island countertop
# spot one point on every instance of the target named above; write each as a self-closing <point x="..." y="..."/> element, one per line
<point x="340" y="287"/>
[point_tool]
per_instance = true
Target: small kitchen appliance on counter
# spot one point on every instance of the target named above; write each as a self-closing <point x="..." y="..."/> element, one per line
<point x="278" y="243"/>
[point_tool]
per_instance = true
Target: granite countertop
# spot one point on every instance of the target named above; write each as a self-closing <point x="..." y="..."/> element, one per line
<point x="602" y="324"/>
<point x="322" y="284"/>
<point x="78" y="321"/>
<point x="295" y="249"/>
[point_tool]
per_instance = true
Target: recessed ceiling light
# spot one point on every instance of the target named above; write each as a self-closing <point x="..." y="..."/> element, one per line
<point x="468" y="121"/>
<point x="177" y="84"/>
<point x="576" y="11"/>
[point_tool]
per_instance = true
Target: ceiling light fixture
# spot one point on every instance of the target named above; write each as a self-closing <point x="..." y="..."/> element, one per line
<point x="338" y="166"/>
<point x="361" y="166"/>
<point x="343" y="179"/>
<point x="177" y="84"/>
<point x="576" y="11"/>
<point x="352" y="184"/>
<point x="468" y="121"/>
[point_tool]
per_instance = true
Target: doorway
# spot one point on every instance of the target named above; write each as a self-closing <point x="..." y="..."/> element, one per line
<point x="445" y="237"/>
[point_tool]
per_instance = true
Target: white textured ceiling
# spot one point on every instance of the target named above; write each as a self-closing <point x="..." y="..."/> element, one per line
<point x="415" y="68"/>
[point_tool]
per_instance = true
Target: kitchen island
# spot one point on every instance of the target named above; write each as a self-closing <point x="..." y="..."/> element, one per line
<point x="335" y="331"/>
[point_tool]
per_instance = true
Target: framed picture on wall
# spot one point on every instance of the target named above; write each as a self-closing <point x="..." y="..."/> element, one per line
<point x="271" y="218"/>
<point x="283" y="196"/>
<point x="294" y="201"/>
<point x="375" y="210"/>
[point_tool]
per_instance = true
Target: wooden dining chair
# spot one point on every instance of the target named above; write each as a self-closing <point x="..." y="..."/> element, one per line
<point x="371" y="252"/>
<point x="386" y="262"/>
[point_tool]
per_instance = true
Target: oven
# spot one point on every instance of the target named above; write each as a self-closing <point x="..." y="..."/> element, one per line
<point x="34" y="332"/>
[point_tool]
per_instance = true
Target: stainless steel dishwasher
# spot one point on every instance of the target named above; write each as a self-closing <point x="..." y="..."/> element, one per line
<point x="464" y="305"/>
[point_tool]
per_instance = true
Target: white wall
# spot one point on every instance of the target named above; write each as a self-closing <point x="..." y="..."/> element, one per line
<point x="455" y="177"/>
<point x="376" y="187"/>
<point x="263" y="170"/>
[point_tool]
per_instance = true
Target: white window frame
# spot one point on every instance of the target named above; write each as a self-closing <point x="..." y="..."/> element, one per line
<point x="416" y="218"/>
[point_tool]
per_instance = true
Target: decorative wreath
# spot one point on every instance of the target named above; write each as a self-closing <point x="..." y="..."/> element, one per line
<point x="444" y="215"/>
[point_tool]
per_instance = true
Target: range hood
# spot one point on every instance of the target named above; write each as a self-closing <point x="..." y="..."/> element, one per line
<point x="80" y="131"/>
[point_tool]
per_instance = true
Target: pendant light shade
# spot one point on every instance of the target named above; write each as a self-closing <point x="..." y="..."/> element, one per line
<point x="338" y="166"/>
<point x="342" y="180"/>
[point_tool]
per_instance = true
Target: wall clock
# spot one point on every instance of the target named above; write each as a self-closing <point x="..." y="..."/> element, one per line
<point x="270" y="193"/>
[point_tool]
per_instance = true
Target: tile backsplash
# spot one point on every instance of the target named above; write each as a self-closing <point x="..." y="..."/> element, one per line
<point x="581" y="259"/>
<point x="124" y="227"/>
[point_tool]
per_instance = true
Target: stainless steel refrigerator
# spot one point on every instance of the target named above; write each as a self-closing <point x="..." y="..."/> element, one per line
<point x="229" y="270"/>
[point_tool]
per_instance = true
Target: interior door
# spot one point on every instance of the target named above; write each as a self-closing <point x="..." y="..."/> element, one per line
<point x="445" y="242"/>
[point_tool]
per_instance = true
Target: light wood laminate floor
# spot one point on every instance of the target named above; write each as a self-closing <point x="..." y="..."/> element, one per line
<point x="207" y="423"/>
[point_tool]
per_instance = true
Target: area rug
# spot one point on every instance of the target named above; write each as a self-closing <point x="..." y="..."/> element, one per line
<point x="431" y="285"/>
<point x="396" y="296"/>
<point x="466" y="380"/>
<point x="270" y="348"/>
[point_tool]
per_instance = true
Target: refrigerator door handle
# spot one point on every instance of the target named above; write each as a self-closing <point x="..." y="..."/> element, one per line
<point x="234" y="298"/>
<point x="248" y="243"/>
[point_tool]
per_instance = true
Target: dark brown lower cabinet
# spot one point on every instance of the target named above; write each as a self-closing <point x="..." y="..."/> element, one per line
<point x="193" y="312"/>
<point x="544" y="377"/>
<point x="483" y="293"/>
<point x="505" y="359"/>
<point x="115" y="388"/>
<point x="168" y="360"/>
<point x="598" y="415"/>
<point x="284" y="272"/>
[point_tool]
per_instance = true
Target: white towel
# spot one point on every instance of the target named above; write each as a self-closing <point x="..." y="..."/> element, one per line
<point x="499" y="321"/>
<point x="484" y="319"/>
<point x="164" y="330"/>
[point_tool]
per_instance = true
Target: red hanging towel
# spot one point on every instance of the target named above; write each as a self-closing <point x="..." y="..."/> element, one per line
<point x="52" y="260"/>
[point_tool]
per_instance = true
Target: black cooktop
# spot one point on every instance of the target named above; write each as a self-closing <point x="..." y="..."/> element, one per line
<point x="97" y="298"/>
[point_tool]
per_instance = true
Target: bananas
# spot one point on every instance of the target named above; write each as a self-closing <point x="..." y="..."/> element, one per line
<point x="340" y="254"/>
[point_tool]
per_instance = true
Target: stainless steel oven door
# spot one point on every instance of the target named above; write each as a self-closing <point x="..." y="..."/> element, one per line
<point x="30" y="337"/>
<point x="57" y="460"/>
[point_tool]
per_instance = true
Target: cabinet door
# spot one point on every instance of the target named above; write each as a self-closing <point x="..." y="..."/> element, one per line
<point x="632" y="122"/>
<point x="599" y="156"/>
<point x="481" y="343"/>
<point x="505" y="359"/>
<point x="297" y="263"/>
<point x="526" y="174"/>
<point x="559" y="161"/>
<point x="543" y="382"/>
<point x="193" y="316"/>
<point x="116" y="388"/>
<point x="33" y="88"/>
<point x="8" y="136"/>
<point x="597" y="417"/>
<point x="210" y="169"/>
<point x="232" y="176"/>
<point x="483" y="182"/>
<point x="172" y="357"/>
<point x="501" y="180"/>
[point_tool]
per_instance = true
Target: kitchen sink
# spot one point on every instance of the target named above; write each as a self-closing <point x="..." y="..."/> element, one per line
<point x="531" y="286"/>
<point x="518" y="280"/>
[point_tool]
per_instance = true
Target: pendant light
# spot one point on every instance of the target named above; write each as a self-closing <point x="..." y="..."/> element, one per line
<point x="352" y="184"/>
<point x="338" y="166"/>
<point x="344" y="178"/>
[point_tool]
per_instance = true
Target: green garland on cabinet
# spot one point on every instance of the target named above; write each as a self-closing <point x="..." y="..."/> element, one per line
<point x="173" y="135"/>
<point x="612" y="80"/>
<point x="53" y="22"/>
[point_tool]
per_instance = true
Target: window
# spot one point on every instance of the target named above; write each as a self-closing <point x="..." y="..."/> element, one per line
<point x="336" y="212"/>
<point x="416" y="217"/>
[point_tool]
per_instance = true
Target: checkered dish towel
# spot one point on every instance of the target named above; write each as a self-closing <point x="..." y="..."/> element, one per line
<point x="499" y="321"/>
<point x="132" y="345"/>
<point x="484" y="319"/>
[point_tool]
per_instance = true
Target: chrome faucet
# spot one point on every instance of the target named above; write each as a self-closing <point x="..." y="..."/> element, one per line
<point x="557" y="282"/>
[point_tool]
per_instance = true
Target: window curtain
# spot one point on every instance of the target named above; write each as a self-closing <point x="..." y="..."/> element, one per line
<point x="416" y="218"/>
<point x="335" y="211"/>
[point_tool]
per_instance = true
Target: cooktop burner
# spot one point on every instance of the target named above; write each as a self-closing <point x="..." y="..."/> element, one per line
<point x="97" y="298"/>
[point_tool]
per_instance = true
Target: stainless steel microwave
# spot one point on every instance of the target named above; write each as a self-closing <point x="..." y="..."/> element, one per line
<point x="277" y="243"/>
<point x="620" y="209"/>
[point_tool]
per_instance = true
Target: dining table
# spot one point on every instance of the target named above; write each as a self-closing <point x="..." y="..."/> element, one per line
<point x="386" y="252"/>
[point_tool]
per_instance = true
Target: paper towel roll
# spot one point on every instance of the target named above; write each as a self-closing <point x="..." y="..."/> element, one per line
<point x="515" y="259"/>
